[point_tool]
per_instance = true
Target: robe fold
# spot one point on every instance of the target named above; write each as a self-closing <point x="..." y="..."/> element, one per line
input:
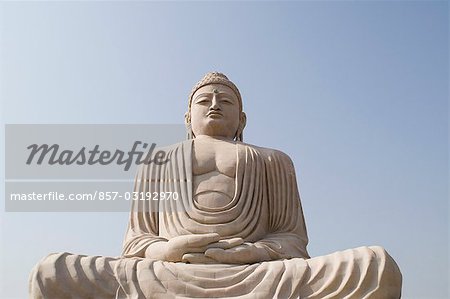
<point x="265" y="209"/>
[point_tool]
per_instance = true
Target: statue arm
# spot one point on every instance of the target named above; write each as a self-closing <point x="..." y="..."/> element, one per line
<point x="143" y="224"/>
<point x="288" y="237"/>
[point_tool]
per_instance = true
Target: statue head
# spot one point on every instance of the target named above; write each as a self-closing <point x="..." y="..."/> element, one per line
<point x="215" y="109"/>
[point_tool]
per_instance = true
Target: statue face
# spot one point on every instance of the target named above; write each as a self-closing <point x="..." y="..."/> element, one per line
<point x="215" y="111"/>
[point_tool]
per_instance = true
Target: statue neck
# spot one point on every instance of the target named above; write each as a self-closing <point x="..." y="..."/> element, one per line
<point x="208" y="137"/>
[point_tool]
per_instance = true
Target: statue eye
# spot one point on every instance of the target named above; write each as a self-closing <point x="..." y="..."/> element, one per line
<point x="202" y="100"/>
<point x="227" y="101"/>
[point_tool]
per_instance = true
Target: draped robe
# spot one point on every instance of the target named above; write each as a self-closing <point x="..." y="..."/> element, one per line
<point x="265" y="209"/>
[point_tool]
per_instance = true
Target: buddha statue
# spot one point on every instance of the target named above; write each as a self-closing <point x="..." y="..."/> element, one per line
<point x="236" y="229"/>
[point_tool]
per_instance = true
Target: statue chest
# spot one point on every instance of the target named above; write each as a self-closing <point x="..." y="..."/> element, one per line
<point x="214" y="171"/>
<point x="214" y="156"/>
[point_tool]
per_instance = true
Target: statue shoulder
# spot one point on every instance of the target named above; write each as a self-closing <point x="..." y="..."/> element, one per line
<point x="161" y="155"/>
<point x="178" y="145"/>
<point x="270" y="153"/>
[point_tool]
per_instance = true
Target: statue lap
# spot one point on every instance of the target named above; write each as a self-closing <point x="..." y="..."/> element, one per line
<point x="364" y="272"/>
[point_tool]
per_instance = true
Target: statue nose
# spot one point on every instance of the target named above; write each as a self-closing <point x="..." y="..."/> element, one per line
<point x="214" y="104"/>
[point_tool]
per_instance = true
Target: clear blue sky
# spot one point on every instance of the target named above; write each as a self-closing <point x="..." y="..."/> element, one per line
<point x="355" y="92"/>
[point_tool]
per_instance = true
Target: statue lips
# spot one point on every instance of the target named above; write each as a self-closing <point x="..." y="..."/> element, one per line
<point x="214" y="114"/>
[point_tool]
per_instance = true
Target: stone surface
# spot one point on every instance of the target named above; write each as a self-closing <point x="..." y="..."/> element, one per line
<point x="237" y="229"/>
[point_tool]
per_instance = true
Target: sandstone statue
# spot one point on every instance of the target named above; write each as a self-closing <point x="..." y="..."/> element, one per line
<point x="236" y="230"/>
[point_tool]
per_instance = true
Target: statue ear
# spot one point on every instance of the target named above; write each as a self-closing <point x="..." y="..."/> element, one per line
<point x="242" y="123"/>
<point x="187" y="122"/>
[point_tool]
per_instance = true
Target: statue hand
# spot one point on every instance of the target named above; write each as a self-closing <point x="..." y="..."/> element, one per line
<point x="174" y="249"/>
<point x="201" y="258"/>
<point x="246" y="253"/>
